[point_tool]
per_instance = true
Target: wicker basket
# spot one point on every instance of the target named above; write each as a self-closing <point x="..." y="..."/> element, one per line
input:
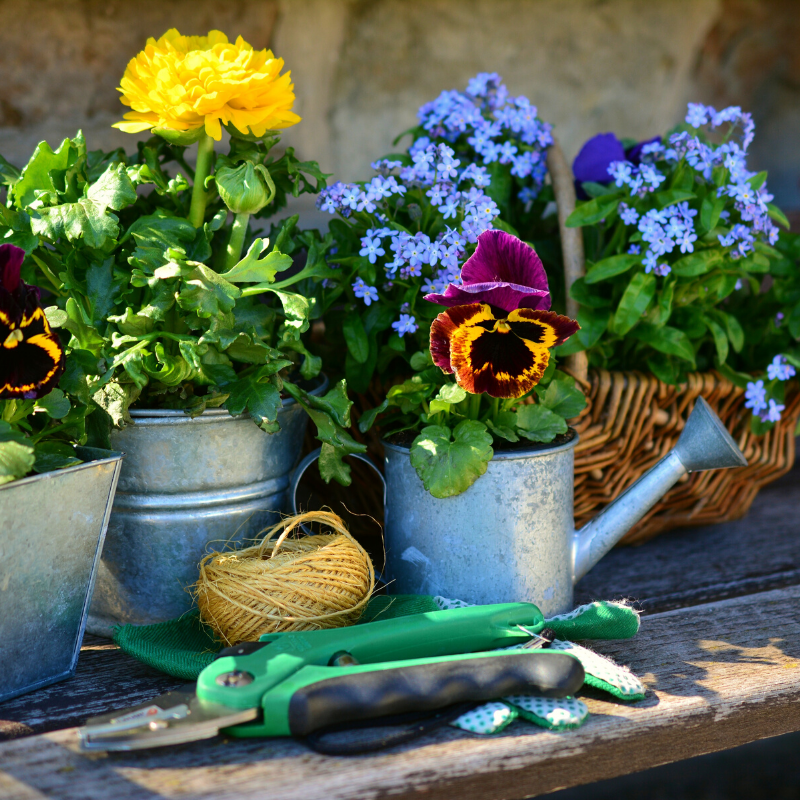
<point x="632" y="420"/>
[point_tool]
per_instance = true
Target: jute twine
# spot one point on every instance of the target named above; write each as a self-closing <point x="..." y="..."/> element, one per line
<point x="308" y="583"/>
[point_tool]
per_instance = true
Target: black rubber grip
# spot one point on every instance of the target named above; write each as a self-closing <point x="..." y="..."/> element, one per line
<point x="427" y="687"/>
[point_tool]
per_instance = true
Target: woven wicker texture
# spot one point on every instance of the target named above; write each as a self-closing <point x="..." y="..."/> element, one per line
<point x="632" y="420"/>
<point x="308" y="583"/>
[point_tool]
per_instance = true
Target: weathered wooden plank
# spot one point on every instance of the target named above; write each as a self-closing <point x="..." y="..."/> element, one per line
<point x="682" y="568"/>
<point x="105" y="679"/>
<point x="700" y="565"/>
<point x="719" y="675"/>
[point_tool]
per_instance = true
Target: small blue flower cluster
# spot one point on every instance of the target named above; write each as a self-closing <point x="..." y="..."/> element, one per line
<point x="487" y="124"/>
<point x="756" y="394"/>
<point x="455" y="191"/>
<point x="673" y="227"/>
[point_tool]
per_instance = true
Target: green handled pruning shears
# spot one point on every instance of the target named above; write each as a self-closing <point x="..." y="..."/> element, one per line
<point x="293" y="684"/>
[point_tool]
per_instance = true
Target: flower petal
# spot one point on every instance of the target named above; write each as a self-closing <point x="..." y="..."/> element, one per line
<point x="503" y="258"/>
<point x="447" y="323"/>
<point x="591" y="163"/>
<point x="496" y="362"/>
<point x="11" y="258"/>
<point x="542" y="327"/>
<point x="31" y="355"/>
<point x="506" y="296"/>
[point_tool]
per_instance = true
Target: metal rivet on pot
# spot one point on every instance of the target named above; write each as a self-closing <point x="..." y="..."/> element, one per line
<point x="235" y="678"/>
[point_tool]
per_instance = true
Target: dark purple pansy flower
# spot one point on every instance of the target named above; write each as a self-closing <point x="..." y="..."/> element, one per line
<point x="504" y="272"/>
<point x="592" y="162"/>
<point x="31" y="355"/>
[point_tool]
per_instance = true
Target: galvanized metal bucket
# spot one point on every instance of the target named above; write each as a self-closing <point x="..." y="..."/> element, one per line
<point x="508" y="538"/>
<point x="187" y="485"/>
<point x="51" y="536"/>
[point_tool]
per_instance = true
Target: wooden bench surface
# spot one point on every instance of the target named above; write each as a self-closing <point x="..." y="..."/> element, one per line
<point x="720" y="672"/>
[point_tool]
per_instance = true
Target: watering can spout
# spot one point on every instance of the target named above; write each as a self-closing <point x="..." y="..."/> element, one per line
<point x="704" y="444"/>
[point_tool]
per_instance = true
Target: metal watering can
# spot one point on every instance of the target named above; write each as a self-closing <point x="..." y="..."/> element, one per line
<point x="511" y="535"/>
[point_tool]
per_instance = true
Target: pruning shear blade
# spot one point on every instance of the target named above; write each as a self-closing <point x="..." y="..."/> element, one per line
<point x="172" y="718"/>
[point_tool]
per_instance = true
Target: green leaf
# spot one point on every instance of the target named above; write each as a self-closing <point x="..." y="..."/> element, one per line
<point x="597" y="189"/>
<point x="777" y="215"/>
<point x="593" y="210"/>
<point x="697" y="263"/>
<point x="154" y="235"/>
<point x="254" y="269"/>
<point x="502" y="431"/>
<point x="563" y="397"/>
<point x="9" y="174"/>
<point x="593" y="322"/>
<point x="102" y="291"/>
<point x="115" y="399"/>
<point x="665" y="339"/>
<point x="672" y="196"/>
<point x="207" y="293"/>
<point x="37" y="173"/>
<point x="449" y="464"/>
<point x="367" y="419"/>
<point x="255" y="395"/>
<point x="539" y="424"/>
<point x="356" y="337"/>
<point x="451" y="393"/>
<point x="296" y="308"/>
<point x="732" y="328"/>
<point x="331" y="415"/>
<point x="84" y="220"/>
<point x="16" y="460"/>
<point x="756" y="262"/>
<point x="664" y="304"/>
<point x="609" y="267"/>
<point x="585" y="296"/>
<point x="52" y="455"/>
<point x="740" y="379"/>
<point x="421" y="360"/>
<point x="167" y="369"/>
<point x="55" y="404"/>
<point x="710" y="211"/>
<point x="113" y="189"/>
<point x="634" y="302"/>
<point x="720" y="338"/>
<point x="663" y="368"/>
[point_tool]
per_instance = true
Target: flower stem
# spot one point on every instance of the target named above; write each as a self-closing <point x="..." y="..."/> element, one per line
<point x="236" y="242"/>
<point x="495" y="409"/>
<point x="205" y="155"/>
<point x="474" y="406"/>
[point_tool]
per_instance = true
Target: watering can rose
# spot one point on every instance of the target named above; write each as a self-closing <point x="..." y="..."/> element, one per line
<point x="497" y="334"/>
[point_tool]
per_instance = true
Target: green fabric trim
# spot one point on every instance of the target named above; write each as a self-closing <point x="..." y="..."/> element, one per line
<point x="599" y="620"/>
<point x="599" y="683"/>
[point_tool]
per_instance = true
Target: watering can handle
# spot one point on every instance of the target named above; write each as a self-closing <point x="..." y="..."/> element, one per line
<point x="297" y="476"/>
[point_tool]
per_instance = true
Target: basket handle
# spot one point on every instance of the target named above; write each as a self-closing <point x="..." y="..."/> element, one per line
<point x="571" y="244"/>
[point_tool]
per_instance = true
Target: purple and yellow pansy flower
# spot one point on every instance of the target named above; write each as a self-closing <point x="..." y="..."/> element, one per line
<point x="497" y="341"/>
<point x="31" y="355"/>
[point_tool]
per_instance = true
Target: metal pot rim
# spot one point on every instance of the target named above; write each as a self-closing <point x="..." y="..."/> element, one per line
<point x="95" y="456"/>
<point x="180" y="415"/>
<point x="508" y="455"/>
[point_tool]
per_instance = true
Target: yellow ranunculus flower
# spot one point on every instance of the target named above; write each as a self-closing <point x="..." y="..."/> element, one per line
<point x="187" y="82"/>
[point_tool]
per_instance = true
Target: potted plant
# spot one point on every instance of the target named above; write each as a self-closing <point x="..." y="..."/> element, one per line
<point x="180" y="320"/>
<point x="689" y="289"/>
<point x="55" y="496"/>
<point x="476" y="161"/>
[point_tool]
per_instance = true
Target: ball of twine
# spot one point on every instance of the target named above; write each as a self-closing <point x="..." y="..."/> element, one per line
<point x="308" y="583"/>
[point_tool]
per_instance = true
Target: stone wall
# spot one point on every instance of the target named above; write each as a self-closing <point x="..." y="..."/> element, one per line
<point x="362" y="67"/>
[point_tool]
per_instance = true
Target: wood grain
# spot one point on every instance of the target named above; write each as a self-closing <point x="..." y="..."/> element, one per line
<point x="718" y="675"/>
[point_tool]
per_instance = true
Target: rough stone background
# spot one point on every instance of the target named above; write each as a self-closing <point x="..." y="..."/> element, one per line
<point x="362" y="67"/>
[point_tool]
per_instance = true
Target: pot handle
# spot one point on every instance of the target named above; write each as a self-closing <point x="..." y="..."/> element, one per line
<point x="297" y="476"/>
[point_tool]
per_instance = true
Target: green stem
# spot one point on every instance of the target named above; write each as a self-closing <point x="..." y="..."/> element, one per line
<point x="495" y="409"/>
<point x="236" y="242"/>
<point x="474" y="406"/>
<point x="205" y="155"/>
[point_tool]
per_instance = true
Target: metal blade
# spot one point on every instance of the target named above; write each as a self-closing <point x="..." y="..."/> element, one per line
<point x="172" y="718"/>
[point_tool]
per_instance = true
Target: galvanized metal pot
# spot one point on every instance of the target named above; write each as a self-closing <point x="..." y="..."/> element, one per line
<point x="508" y="538"/>
<point x="52" y="528"/>
<point x="187" y="484"/>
